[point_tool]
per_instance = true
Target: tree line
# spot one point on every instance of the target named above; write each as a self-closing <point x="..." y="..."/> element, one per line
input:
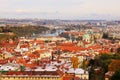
<point x="21" y="31"/>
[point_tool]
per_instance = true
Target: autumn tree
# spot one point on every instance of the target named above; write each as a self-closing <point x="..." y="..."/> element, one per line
<point x="75" y="61"/>
<point x="0" y="30"/>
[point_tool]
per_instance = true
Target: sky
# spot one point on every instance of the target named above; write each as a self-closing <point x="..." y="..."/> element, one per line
<point x="61" y="9"/>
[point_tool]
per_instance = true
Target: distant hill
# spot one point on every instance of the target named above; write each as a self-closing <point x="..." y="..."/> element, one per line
<point x="24" y="31"/>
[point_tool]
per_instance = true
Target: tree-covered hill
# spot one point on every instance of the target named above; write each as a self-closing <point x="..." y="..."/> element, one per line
<point x="24" y="31"/>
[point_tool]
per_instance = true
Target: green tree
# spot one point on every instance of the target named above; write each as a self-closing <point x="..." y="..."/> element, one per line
<point x="28" y="30"/>
<point x="105" y="35"/>
<point x="91" y="73"/>
<point x="79" y="38"/>
<point x="118" y="50"/>
<point x="22" y="68"/>
<point x="104" y="60"/>
<point x="116" y="76"/>
<point x="101" y="61"/>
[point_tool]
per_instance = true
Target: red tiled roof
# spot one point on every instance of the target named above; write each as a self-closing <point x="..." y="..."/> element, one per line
<point x="21" y="61"/>
<point x="30" y="65"/>
<point x="67" y="44"/>
<point x="39" y="41"/>
<point x="95" y="47"/>
<point x="6" y="43"/>
<point x="71" y="48"/>
<point x="33" y="55"/>
<point x="3" y="61"/>
<point x="24" y="46"/>
<point x="70" y="77"/>
<point x="41" y="51"/>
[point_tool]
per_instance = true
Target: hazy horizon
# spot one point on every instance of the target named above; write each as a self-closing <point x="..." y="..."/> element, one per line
<point x="61" y="9"/>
